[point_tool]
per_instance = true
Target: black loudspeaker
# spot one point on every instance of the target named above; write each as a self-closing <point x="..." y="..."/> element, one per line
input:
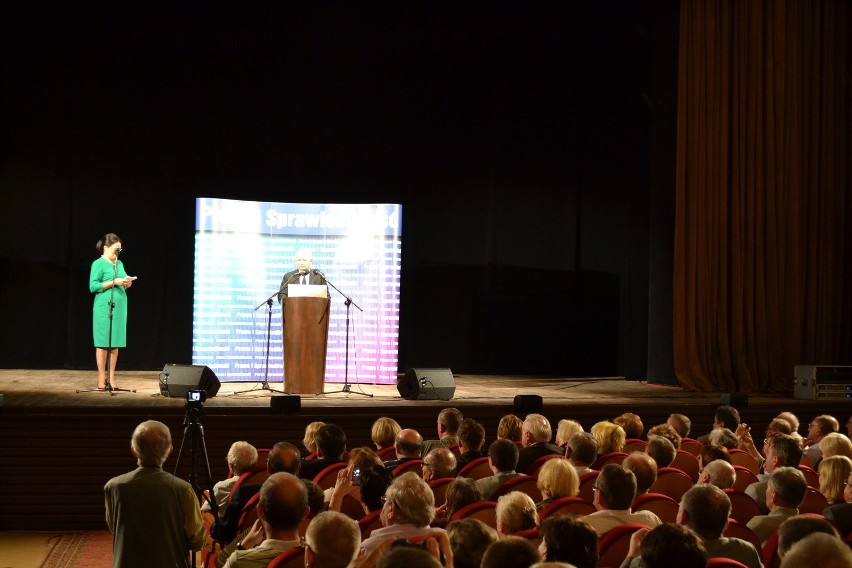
<point x="285" y="404"/>
<point x="528" y="403"/>
<point x="177" y="380"/>
<point x="736" y="399"/>
<point x="427" y="384"/>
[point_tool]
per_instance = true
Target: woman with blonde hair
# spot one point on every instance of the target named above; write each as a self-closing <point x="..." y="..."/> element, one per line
<point x="515" y="512"/>
<point x="836" y="444"/>
<point x="557" y="478"/>
<point x="565" y="430"/>
<point x="310" y="432"/>
<point x="610" y="437"/>
<point x="384" y="431"/>
<point x="833" y="473"/>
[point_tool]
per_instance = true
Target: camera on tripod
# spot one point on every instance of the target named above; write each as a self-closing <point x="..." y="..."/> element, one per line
<point x="194" y="406"/>
<point x="196" y="396"/>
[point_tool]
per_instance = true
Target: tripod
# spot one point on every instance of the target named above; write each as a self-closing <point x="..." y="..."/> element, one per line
<point x="347" y="388"/>
<point x="265" y="384"/>
<point x="107" y="383"/>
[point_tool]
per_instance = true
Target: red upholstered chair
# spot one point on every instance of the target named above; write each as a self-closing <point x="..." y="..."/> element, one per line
<point x="257" y="475"/>
<point x="687" y="463"/>
<point x="692" y="446"/>
<point x="672" y="482"/>
<point x="634" y="445"/>
<point x="743" y="507"/>
<point x="612" y="457"/>
<point x="485" y="511"/>
<point x="455" y="449"/>
<point x="523" y="483"/>
<point x="743" y="458"/>
<point x="615" y="543"/>
<point x="352" y="508"/>
<point x="388" y="453"/>
<point x="811" y="476"/>
<point x="736" y="529"/>
<point x="661" y="505"/>
<point x="567" y="505"/>
<point x="370" y="522"/>
<point x="745" y="477"/>
<point x="587" y="484"/>
<point x="328" y="476"/>
<point x="411" y="465"/>
<point x="531" y="535"/>
<point x="476" y="469"/>
<point x="814" y="502"/>
<point x="439" y="489"/>
<point x="249" y="514"/>
<point x="293" y="558"/>
<point x="770" y="552"/>
<point x="262" y="456"/>
<point x="536" y="465"/>
<point x="724" y="563"/>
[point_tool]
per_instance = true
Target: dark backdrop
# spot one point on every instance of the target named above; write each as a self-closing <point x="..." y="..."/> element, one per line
<point x="517" y="137"/>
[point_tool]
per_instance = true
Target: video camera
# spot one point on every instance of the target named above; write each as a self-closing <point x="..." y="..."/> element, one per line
<point x="196" y="396"/>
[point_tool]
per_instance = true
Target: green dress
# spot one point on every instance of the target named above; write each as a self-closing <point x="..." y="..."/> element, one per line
<point x="103" y="271"/>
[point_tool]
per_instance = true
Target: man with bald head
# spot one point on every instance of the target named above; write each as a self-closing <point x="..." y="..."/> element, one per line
<point x="408" y="445"/>
<point x="302" y="275"/>
<point x="719" y="473"/>
<point x="282" y="506"/>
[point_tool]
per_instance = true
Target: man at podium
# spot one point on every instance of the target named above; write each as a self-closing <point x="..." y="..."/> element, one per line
<point x="302" y="275"/>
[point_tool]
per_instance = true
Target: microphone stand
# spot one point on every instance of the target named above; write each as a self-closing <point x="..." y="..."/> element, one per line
<point x="265" y="384"/>
<point x="346" y="386"/>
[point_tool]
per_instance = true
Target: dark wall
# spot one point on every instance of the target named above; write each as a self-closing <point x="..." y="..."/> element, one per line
<point x="516" y="137"/>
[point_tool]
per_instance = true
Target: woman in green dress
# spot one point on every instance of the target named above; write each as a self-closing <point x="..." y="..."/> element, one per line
<point x="109" y="282"/>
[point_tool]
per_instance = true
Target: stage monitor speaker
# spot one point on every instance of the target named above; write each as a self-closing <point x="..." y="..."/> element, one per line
<point x="177" y="380"/>
<point x="736" y="399"/>
<point x="528" y="403"/>
<point x="427" y="384"/>
<point x="285" y="404"/>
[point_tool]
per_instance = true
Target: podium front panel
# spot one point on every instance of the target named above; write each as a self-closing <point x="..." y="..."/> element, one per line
<point x="305" y="344"/>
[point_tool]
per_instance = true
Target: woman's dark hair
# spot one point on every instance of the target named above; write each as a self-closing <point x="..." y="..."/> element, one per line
<point x="461" y="492"/>
<point x="107" y="241"/>
<point x="570" y="540"/>
<point x="374" y="482"/>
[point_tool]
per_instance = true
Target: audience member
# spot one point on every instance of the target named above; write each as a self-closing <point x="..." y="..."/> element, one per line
<point x="631" y="424"/>
<point x="661" y="450"/>
<point x="705" y="509"/>
<point x="681" y="424"/>
<point x="665" y="546"/>
<point x="469" y="539"/>
<point x="615" y="490"/>
<point x="510" y="428"/>
<point x="836" y="444"/>
<point x="510" y="552"/>
<point x="449" y="420"/>
<point x="316" y="497"/>
<point x="711" y="452"/>
<point x="503" y="459"/>
<point x="725" y="417"/>
<point x="331" y="447"/>
<point x="308" y="441"/>
<point x="719" y="473"/>
<point x="556" y="479"/>
<point x="666" y="432"/>
<point x="582" y="451"/>
<point x="383" y="432"/>
<point x="406" y="555"/>
<point x="841" y="513"/>
<point x="565" y="538"/>
<point x="644" y="468"/>
<point x="725" y="438"/>
<point x="360" y="459"/>
<point x="793" y="420"/>
<point x="154" y="516"/>
<point x="784" y="494"/>
<point x="610" y="437"/>
<point x="818" y="549"/>
<point x="535" y="437"/>
<point x="408" y="444"/>
<point x="471" y="440"/>
<point x="564" y="430"/>
<point x="409" y="508"/>
<point x="515" y="512"/>
<point x="332" y="541"/>
<point x="796" y="528"/>
<point x="849" y="427"/>
<point x="282" y="506"/>
<point x="781" y="451"/>
<point x="460" y="493"/>
<point x="438" y="463"/>
<point x="241" y="458"/>
<point x="833" y="473"/>
<point x="819" y="428"/>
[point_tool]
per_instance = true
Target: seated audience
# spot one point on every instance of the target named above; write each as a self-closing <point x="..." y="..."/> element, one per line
<point x="746" y="442"/>
<point x="784" y="494"/>
<point x="503" y="459"/>
<point x="711" y="452"/>
<point x="719" y="473"/>
<point x="644" y="468"/>
<point x="781" y="451"/>
<point x="796" y="528"/>
<point x="725" y="417"/>
<point x="556" y="479"/>
<point x="661" y="450"/>
<point x="316" y="497"/>
<point x="331" y="445"/>
<point x="631" y="424"/>
<point x="360" y="459"/>
<point x="471" y="439"/>
<point x="510" y="428"/>
<point x="818" y="549"/>
<point x="613" y="499"/>
<point x="582" y="451"/>
<point x="510" y="552"/>
<point x="819" y="428"/>
<point x="793" y="421"/>
<point x="460" y="493"/>
<point x="681" y="424"/>
<point x="372" y="484"/>
<point x="666" y="432"/>
<point x="332" y="541"/>
<point x="841" y="513"/>
<point x="535" y="437"/>
<point x="438" y="463"/>
<point x="609" y="436"/>
<point x="469" y="539"/>
<point x="282" y="506"/>
<point x="241" y="458"/>
<point x="833" y="473"/>
<point x="836" y="444"/>
<point x="564" y="430"/>
<point x="308" y="441"/>
<point x="705" y="509"/>
<point x="449" y="420"/>
<point x="383" y="432"/>
<point x="724" y="437"/>
<point x="153" y="516"/>
<point x="409" y="508"/>
<point x="515" y="512"/>
<point x="408" y="444"/>
<point x="665" y="546"/>
<point x="565" y="538"/>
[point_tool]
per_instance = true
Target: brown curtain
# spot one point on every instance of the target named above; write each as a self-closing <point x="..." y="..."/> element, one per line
<point x="763" y="235"/>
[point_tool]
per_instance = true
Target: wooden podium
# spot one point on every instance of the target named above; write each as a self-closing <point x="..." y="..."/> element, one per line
<point x="305" y="344"/>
